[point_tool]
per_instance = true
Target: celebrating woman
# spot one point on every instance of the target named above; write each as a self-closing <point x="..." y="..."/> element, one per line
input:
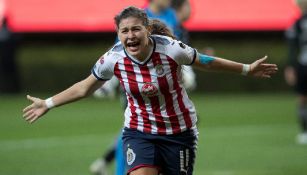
<point x="160" y="133"/>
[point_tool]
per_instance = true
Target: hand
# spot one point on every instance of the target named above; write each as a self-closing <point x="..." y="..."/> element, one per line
<point x="261" y="69"/>
<point x="34" y="111"/>
<point x="290" y="75"/>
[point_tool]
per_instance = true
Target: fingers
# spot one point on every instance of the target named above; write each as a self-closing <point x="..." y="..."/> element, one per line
<point x="267" y="66"/>
<point x="35" y="117"/>
<point x="262" y="60"/>
<point x="28" y="113"/>
<point x="30" y="98"/>
<point x="271" y="70"/>
<point x="268" y="73"/>
<point x="265" y="75"/>
<point x="31" y="117"/>
<point x="27" y="108"/>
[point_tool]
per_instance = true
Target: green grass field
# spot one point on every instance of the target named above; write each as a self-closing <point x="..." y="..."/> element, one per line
<point x="239" y="135"/>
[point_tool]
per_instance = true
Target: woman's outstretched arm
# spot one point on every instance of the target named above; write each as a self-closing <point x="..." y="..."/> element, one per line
<point x="258" y="68"/>
<point x="39" y="107"/>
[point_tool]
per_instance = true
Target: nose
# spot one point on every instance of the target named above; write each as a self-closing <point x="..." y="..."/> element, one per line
<point x="130" y="34"/>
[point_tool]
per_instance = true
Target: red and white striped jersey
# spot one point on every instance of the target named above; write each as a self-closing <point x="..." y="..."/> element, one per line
<point x="157" y="101"/>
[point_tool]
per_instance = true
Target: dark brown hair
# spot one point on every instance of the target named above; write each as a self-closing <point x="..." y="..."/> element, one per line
<point x="156" y="27"/>
<point x="132" y="11"/>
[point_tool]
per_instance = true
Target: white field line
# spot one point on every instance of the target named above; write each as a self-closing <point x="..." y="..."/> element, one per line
<point x="43" y="143"/>
<point x="224" y="172"/>
<point x="59" y="141"/>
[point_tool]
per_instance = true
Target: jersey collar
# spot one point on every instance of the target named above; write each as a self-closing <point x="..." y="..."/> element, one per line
<point x="148" y="57"/>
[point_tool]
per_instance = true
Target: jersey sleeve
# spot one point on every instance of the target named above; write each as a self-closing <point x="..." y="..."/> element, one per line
<point x="104" y="68"/>
<point x="182" y="53"/>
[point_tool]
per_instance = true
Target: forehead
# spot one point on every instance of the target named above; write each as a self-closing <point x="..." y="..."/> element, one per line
<point x="130" y="22"/>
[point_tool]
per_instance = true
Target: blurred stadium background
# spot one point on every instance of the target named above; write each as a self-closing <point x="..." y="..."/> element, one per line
<point x="247" y="126"/>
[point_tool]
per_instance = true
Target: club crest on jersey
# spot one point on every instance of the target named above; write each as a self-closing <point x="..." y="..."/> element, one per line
<point x="159" y="70"/>
<point x="130" y="156"/>
<point x="149" y="90"/>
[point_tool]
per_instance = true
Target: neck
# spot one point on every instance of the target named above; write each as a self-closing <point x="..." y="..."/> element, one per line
<point x="147" y="50"/>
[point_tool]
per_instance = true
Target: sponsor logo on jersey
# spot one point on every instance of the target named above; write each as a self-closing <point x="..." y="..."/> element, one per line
<point x="182" y="45"/>
<point x="130" y="156"/>
<point x="159" y="70"/>
<point x="101" y="60"/>
<point x="149" y="90"/>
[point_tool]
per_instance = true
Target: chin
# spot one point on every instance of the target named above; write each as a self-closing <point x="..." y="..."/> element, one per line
<point x="134" y="54"/>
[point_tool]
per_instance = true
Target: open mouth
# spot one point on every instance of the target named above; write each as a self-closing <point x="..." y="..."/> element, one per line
<point x="133" y="46"/>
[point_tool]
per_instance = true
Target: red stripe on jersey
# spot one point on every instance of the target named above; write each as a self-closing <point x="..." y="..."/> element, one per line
<point x="164" y="88"/>
<point x="183" y="109"/>
<point x="134" y="89"/>
<point x="133" y="122"/>
<point x="146" y="78"/>
<point x="154" y="102"/>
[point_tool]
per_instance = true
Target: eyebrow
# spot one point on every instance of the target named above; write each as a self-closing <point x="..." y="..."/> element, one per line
<point x="136" y="26"/>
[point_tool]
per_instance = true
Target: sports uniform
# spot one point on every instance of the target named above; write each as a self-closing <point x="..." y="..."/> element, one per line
<point x="157" y="102"/>
<point x="168" y="16"/>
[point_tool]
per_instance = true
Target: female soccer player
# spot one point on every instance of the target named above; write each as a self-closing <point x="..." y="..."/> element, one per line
<point x="160" y="133"/>
<point x="99" y="166"/>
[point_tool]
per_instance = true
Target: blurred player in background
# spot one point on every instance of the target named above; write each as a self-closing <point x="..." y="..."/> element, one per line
<point x="9" y="75"/>
<point x="296" y="71"/>
<point x="183" y="13"/>
<point x="174" y="13"/>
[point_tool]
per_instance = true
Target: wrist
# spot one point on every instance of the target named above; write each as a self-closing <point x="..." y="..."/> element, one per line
<point x="245" y="69"/>
<point x="49" y="103"/>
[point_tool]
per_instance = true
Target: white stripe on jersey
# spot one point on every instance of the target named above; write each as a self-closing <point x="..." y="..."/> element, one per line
<point x="128" y="111"/>
<point x="189" y="104"/>
<point x="141" y="122"/>
<point x="179" y="114"/>
<point x="166" y="120"/>
<point x="157" y="101"/>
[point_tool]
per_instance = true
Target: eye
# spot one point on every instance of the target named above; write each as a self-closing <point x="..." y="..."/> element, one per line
<point x="124" y="31"/>
<point x="136" y="29"/>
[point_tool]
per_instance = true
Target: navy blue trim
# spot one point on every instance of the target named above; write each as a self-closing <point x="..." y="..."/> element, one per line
<point x="154" y="48"/>
<point x="195" y="53"/>
<point x="98" y="78"/>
